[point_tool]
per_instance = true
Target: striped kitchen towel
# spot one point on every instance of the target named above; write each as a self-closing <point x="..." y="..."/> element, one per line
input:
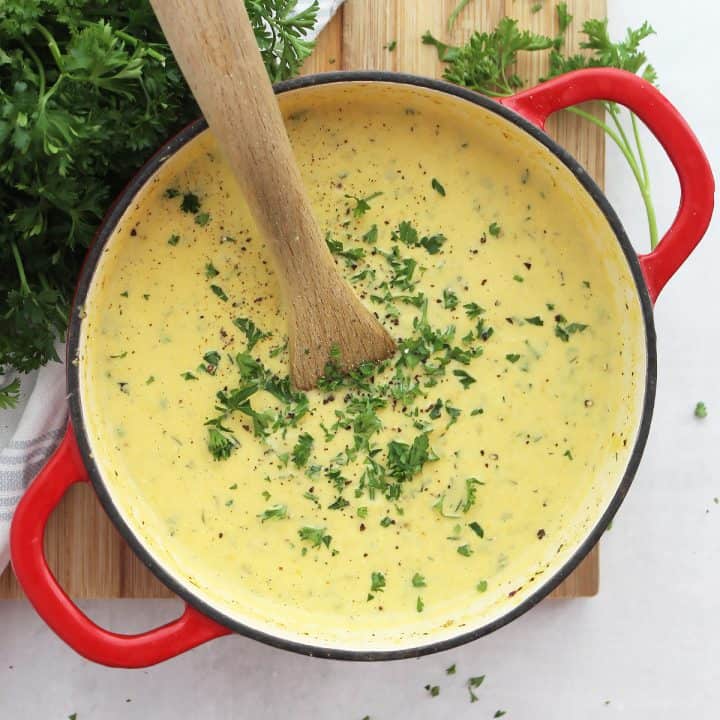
<point x="36" y="435"/>
<point x="28" y="436"/>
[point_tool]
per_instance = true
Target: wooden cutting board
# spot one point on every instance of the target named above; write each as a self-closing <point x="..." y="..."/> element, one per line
<point x="83" y="548"/>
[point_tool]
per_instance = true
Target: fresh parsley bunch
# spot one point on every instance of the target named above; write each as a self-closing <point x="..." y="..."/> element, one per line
<point x="88" y="89"/>
<point x="486" y="63"/>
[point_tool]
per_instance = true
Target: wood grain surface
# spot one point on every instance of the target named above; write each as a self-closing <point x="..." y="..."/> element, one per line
<point x="83" y="548"/>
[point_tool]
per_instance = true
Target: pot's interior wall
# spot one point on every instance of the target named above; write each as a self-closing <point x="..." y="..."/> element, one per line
<point x="579" y="236"/>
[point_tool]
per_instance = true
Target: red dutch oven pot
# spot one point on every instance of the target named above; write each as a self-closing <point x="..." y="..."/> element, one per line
<point x="199" y="623"/>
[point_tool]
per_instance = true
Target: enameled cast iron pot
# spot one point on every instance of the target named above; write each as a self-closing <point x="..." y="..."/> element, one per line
<point x="73" y="461"/>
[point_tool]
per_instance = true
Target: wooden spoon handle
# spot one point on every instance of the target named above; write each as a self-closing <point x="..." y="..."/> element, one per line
<point x="215" y="46"/>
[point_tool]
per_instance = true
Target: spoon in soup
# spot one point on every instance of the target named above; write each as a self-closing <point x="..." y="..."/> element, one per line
<point x="214" y="44"/>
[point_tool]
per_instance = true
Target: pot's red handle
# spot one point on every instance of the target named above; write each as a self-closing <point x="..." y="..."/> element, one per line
<point x="64" y="469"/>
<point x="665" y="122"/>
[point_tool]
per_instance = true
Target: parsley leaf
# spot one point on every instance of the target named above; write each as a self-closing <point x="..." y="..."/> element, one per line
<point x="276" y="512"/>
<point x="450" y="299"/>
<point x="377" y="582"/>
<point x="465" y="379"/>
<point x="302" y="449"/>
<point x="253" y="334"/>
<point x="405" y="461"/>
<point x="439" y="189"/>
<point x="315" y="535"/>
<point x="190" y="203"/>
<point x="362" y="205"/>
<point x="418" y="580"/>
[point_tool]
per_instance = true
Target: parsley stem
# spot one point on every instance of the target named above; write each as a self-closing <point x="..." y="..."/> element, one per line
<point x="154" y="54"/>
<point x="52" y="44"/>
<point x="41" y="70"/>
<point x="626" y="150"/>
<point x="454" y="14"/>
<point x="645" y="189"/>
<point x="20" y="268"/>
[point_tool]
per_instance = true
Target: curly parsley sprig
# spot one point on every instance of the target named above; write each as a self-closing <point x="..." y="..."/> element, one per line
<point x="486" y="63"/>
<point x="87" y="91"/>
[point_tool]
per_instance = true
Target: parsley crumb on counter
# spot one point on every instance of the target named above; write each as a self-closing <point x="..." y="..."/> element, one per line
<point x="700" y="410"/>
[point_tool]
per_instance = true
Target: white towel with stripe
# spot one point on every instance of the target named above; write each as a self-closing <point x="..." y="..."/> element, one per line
<point x="28" y="436"/>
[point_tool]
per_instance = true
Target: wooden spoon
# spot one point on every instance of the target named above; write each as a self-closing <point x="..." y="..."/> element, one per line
<point x="214" y="44"/>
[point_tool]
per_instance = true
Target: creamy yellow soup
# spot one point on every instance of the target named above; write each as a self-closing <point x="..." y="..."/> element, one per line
<point x="413" y="500"/>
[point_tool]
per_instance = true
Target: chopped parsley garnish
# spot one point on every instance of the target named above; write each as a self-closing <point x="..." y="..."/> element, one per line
<point x="419" y="605"/>
<point x="482" y="586"/>
<point x="339" y="504"/>
<point x="274" y="512"/>
<point x="253" y="334"/>
<point x="351" y="255"/>
<point x="212" y="360"/>
<point x="219" y="292"/>
<point x="315" y="535"/>
<point x="418" y="580"/>
<point x="450" y="299"/>
<point x="221" y="441"/>
<point x="171" y="192"/>
<point x="188" y="376"/>
<point x="150" y="380"/>
<point x="438" y="187"/>
<point x="700" y="410"/>
<point x="371" y="236"/>
<point x="474" y="683"/>
<point x="434" y="690"/>
<point x="119" y="356"/>
<point x="302" y="449"/>
<point x="173" y="240"/>
<point x="362" y="205"/>
<point x="518" y="278"/>
<point x="535" y="320"/>
<point x="202" y="219"/>
<point x="387" y="521"/>
<point x="494" y="229"/>
<point x="471" y="485"/>
<point x="512" y="357"/>
<point x="190" y="203"/>
<point x="500" y="713"/>
<point x="568" y="455"/>
<point x="391" y="45"/>
<point x="477" y="529"/>
<point x="405" y="461"/>
<point x="279" y="349"/>
<point x="451" y="670"/>
<point x="473" y="310"/>
<point x="377" y="582"/>
<point x="465" y="550"/>
<point x="564" y="329"/>
<point x="433" y="244"/>
<point x="409" y="236"/>
<point x="210" y="271"/>
<point x="466" y="380"/>
<point x="362" y="512"/>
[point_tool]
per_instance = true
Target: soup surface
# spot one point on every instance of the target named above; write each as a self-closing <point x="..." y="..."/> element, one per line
<point x="416" y="498"/>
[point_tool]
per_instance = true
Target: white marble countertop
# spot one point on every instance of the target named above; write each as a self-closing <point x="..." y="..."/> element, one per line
<point x="646" y="647"/>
